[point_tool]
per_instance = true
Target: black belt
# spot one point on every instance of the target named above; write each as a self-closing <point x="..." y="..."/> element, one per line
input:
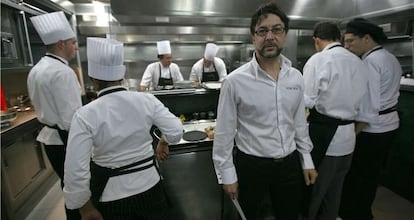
<point x="388" y="110"/>
<point x="317" y="117"/>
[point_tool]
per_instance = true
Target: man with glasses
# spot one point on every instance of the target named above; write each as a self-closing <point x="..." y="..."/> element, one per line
<point x="261" y="108"/>
<point x="364" y="39"/>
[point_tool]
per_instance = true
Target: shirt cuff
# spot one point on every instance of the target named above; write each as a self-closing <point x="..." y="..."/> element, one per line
<point x="306" y="161"/>
<point x="227" y="176"/>
<point x="76" y="200"/>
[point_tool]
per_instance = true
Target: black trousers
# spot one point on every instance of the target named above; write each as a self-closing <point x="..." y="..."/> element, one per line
<point x="360" y="185"/>
<point x="282" y="180"/>
<point x="149" y="205"/>
<point x="56" y="155"/>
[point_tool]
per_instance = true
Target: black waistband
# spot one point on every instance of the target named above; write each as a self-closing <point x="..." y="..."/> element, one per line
<point x="388" y="110"/>
<point x="317" y="117"/>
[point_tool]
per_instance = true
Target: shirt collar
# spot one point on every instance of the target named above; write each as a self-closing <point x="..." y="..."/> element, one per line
<point x="257" y="70"/>
<point x="370" y="51"/>
<point x="109" y="88"/>
<point x="58" y="57"/>
<point x="331" y="45"/>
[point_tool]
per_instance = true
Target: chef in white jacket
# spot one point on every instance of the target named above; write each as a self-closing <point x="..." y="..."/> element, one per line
<point x="110" y="171"/>
<point x="209" y="68"/>
<point x="54" y="89"/>
<point x="161" y="74"/>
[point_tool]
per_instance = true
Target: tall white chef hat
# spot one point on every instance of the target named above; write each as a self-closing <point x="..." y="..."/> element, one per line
<point x="210" y="51"/>
<point x="105" y="59"/>
<point x="163" y="47"/>
<point x="52" y="27"/>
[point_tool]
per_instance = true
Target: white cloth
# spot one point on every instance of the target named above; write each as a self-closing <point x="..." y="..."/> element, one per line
<point x="197" y="69"/>
<point x="105" y="59"/>
<point x="55" y="93"/>
<point x="114" y="131"/>
<point x="52" y="27"/>
<point x="152" y="74"/>
<point x="335" y="83"/>
<point x="163" y="47"/>
<point x="265" y="117"/>
<point x="387" y="71"/>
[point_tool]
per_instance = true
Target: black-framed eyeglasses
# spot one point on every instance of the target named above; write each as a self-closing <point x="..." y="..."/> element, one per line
<point x="275" y="31"/>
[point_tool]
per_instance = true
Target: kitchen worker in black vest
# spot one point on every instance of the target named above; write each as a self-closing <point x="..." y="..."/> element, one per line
<point x="54" y="89"/>
<point x="161" y="74"/>
<point x="364" y="39"/>
<point x="110" y="171"/>
<point x="210" y="68"/>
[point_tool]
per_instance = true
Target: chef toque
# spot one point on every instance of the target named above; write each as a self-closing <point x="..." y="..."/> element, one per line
<point x="210" y="51"/>
<point x="163" y="47"/>
<point x="362" y="26"/>
<point x="105" y="59"/>
<point x="52" y="27"/>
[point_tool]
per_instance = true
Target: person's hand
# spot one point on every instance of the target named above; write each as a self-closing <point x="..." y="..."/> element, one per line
<point x="162" y="149"/>
<point x="231" y="189"/>
<point x="89" y="212"/>
<point x="310" y="176"/>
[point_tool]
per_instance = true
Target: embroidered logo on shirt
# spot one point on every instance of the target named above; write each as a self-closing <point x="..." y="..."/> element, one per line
<point x="292" y="88"/>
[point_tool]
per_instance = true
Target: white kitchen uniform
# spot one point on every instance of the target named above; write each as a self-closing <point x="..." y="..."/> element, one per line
<point x="95" y="133"/>
<point x="152" y="74"/>
<point x="55" y="93"/>
<point x="335" y="83"/>
<point x="266" y="126"/>
<point x="386" y="82"/>
<point x="197" y="69"/>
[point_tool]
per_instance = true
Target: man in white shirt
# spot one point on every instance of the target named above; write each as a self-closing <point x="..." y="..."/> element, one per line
<point x="161" y="74"/>
<point x="110" y="168"/>
<point x="54" y="89"/>
<point x="210" y="68"/>
<point x="261" y="108"/>
<point x="364" y="39"/>
<point x="335" y="83"/>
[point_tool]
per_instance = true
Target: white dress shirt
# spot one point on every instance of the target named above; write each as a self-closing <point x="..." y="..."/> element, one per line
<point x="55" y="93"/>
<point x="113" y="130"/>
<point x="197" y="69"/>
<point x="387" y="71"/>
<point x="152" y="74"/>
<point x="265" y="117"/>
<point x="335" y="83"/>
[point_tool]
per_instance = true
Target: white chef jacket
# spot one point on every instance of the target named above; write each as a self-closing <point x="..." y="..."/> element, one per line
<point x="197" y="69"/>
<point x="114" y="131"/>
<point x="335" y="83"/>
<point x="152" y="74"/>
<point x="265" y="117"/>
<point x="386" y="82"/>
<point x="55" y="93"/>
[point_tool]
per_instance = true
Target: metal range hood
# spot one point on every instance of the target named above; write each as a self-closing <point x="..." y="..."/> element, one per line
<point x="141" y="21"/>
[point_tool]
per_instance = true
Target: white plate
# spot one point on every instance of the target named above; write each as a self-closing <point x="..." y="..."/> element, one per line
<point x="212" y="85"/>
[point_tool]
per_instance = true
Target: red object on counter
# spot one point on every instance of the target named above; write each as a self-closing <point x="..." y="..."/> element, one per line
<point x="3" y="100"/>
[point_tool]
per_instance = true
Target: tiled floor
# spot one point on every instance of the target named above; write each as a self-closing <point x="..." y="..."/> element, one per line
<point x="387" y="206"/>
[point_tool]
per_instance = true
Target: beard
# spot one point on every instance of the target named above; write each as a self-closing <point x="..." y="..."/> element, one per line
<point x="270" y="54"/>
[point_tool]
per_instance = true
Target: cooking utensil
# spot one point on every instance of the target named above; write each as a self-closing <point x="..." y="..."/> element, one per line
<point x="194" y="135"/>
<point x="239" y="209"/>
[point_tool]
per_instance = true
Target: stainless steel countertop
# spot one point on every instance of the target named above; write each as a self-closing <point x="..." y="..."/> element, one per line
<point x="22" y="117"/>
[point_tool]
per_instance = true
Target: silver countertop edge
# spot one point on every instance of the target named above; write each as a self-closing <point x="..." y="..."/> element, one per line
<point x="22" y="118"/>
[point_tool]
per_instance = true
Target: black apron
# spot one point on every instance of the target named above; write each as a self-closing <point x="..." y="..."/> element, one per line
<point x="322" y="128"/>
<point x="210" y="76"/>
<point x="100" y="175"/>
<point x="165" y="81"/>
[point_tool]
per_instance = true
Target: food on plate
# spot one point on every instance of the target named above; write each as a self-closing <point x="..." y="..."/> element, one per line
<point x="210" y="131"/>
